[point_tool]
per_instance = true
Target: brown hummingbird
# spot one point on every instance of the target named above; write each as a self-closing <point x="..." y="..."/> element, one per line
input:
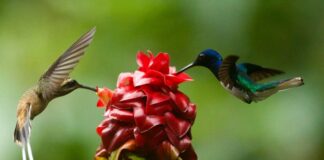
<point x="55" y="82"/>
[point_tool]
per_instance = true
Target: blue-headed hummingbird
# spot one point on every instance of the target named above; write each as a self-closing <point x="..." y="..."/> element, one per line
<point x="242" y="79"/>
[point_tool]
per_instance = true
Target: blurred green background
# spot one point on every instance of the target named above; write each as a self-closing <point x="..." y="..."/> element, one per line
<point x="287" y="35"/>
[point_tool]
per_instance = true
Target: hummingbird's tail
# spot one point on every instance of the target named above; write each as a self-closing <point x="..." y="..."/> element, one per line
<point x="290" y="83"/>
<point x="22" y="135"/>
<point x="277" y="86"/>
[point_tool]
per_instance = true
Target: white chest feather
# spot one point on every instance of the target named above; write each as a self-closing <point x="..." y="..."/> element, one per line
<point x="237" y="92"/>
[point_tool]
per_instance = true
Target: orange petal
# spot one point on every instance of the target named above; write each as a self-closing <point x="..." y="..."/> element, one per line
<point x="104" y="95"/>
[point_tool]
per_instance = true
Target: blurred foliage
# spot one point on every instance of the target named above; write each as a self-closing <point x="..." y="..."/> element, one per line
<point x="287" y="35"/>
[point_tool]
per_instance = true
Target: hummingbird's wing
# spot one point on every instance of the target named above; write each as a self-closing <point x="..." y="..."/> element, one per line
<point x="61" y="68"/>
<point x="227" y="70"/>
<point x="257" y="73"/>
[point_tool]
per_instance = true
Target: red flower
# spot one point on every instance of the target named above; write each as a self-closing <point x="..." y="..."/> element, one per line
<point x="146" y="114"/>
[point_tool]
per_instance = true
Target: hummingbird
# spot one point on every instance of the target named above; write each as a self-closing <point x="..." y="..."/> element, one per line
<point x="242" y="80"/>
<point x="55" y="82"/>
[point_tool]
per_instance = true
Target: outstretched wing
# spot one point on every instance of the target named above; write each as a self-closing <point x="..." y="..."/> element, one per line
<point x="227" y="70"/>
<point x="257" y="73"/>
<point x="62" y="67"/>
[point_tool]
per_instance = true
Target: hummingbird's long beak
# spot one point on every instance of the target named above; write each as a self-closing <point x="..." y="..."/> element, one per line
<point x="185" y="68"/>
<point x="86" y="87"/>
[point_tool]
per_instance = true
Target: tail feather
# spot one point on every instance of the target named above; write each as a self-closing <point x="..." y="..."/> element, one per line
<point x="29" y="151"/>
<point x="22" y="135"/>
<point x="282" y="85"/>
<point x="17" y="137"/>
<point x="23" y="151"/>
<point x="290" y="83"/>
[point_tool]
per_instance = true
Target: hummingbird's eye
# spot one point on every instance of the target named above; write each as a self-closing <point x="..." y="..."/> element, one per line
<point x="201" y="56"/>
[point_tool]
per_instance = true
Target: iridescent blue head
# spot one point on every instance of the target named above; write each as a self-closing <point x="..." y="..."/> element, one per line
<point x="208" y="58"/>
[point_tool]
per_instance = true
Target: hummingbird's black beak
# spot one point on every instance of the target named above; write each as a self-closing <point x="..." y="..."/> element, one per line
<point x="86" y="87"/>
<point x="186" y="67"/>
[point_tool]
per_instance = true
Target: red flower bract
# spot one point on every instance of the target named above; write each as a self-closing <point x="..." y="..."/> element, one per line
<point x="147" y="112"/>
